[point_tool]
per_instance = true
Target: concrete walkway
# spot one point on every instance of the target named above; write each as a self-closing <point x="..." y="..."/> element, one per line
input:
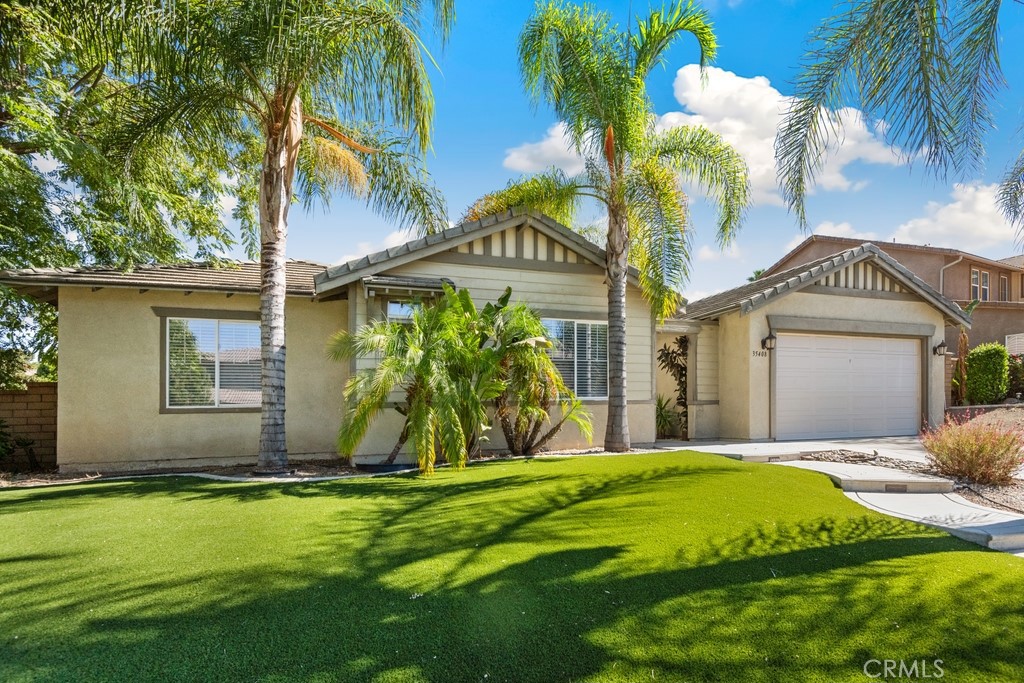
<point x="852" y="477"/>
<point x="902" y="447"/>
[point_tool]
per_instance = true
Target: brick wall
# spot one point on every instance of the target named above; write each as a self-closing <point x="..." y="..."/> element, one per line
<point x="33" y="414"/>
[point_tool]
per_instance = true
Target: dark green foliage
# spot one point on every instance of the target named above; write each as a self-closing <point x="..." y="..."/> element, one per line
<point x="666" y="420"/>
<point x="987" y="374"/>
<point x="452" y="362"/>
<point x="7" y="444"/>
<point x="188" y="382"/>
<point x="1015" y="384"/>
<point x="672" y="359"/>
<point x="13" y="369"/>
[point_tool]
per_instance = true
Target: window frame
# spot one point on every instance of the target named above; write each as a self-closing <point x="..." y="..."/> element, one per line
<point x="165" y="315"/>
<point x="975" y="284"/>
<point x="986" y="280"/>
<point x="576" y="359"/>
<point x="1004" y="288"/>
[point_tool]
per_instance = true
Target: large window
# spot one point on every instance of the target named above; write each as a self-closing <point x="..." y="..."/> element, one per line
<point x="212" y="363"/>
<point x="581" y="354"/>
<point x="984" y="285"/>
<point x="975" y="284"/>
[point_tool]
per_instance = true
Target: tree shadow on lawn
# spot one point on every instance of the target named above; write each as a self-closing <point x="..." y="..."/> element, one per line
<point x="538" y="621"/>
<point x="552" y="581"/>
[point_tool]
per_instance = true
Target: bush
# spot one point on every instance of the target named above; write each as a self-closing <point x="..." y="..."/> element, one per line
<point x="987" y="374"/>
<point x="1016" y="375"/>
<point x="978" y="452"/>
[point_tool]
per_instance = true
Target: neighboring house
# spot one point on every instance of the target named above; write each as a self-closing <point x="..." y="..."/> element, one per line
<point x="958" y="275"/>
<point x="842" y="346"/>
<point x="158" y="367"/>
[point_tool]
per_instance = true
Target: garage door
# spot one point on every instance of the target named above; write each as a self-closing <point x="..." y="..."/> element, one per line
<point x="829" y="386"/>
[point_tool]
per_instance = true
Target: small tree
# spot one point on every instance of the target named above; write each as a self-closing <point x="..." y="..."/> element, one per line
<point x="533" y="387"/>
<point x="987" y="373"/>
<point x="13" y="369"/>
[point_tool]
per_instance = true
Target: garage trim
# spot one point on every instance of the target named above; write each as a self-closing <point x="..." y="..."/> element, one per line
<point x="841" y="327"/>
<point x="792" y="323"/>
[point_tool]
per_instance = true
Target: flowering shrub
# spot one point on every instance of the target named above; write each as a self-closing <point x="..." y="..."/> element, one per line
<point x="978" y="452"/>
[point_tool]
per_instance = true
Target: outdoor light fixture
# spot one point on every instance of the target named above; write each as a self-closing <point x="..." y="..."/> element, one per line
<point x="940" y="349"/>
<point x="768" y="343"/>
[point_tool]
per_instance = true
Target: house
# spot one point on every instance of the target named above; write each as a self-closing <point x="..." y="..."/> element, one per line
<point x="845" y="345"/>
<point x="963" y="277"/>
<point x="157" y="365"/>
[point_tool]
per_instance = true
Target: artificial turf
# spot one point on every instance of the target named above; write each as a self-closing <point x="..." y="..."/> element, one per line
<point x="665" y="567"/>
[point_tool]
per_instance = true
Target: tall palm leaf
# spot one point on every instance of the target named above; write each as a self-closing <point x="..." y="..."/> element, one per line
<point x="593" y="75"/>
<point x="302" y="91"/>
<point x="929" y="69"/>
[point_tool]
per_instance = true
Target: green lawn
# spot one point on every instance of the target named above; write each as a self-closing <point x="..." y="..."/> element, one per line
<point x="667" y="567"/>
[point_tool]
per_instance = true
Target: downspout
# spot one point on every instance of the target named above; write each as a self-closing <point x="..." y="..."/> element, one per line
<point x="942" y="273"/>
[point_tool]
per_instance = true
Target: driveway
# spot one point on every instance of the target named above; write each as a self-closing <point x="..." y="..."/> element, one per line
<point x="902" y="447"/>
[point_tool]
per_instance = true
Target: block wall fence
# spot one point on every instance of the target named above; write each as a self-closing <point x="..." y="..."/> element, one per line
<point x="32" y="414"/>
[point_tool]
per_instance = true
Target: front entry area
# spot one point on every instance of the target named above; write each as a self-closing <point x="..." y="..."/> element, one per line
<point x="835" y="386"/>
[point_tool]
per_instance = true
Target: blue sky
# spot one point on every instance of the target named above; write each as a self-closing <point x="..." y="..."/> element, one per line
<point x="486" y="133"/>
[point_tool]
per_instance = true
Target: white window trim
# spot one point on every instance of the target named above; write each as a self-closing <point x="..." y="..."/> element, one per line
<point x="975" y="284"/>
<point x="576" y="357"/>
<point x="1004" y="288"/>
<point x="166" y="402"/>
<point x="986" y="280"/>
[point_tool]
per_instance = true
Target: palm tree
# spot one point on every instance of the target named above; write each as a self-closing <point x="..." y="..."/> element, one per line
<point x="929" y="69"/>
<point x="301" y="90"/>
<point x="758" y="272"/>
<point x="593" y="75"/>
<point x="415" y="359"/>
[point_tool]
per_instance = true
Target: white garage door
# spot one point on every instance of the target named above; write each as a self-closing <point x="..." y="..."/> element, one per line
<point x="830" y="386"/>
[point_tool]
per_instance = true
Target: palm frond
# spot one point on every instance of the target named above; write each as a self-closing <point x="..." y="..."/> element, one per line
<point x="1010" y="196"/>
<point x="978" y="77"/>
<point x="705" y="158"/>
<point x="552" y="192"/>
<point x="659" y="222"/>
<point x="657" y="32"/>
<point x="892" y="57"/>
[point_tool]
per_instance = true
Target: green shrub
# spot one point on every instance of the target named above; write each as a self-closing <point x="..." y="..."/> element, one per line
<point x="987" y="374"/>
<point x="977" y="452"/>
<point x="666" y="420"/>
<point x="1016" y="375"/>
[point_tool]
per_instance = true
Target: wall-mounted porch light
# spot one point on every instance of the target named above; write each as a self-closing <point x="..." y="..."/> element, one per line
<point x="940" y="349"/>
<point x="768" y="343"/>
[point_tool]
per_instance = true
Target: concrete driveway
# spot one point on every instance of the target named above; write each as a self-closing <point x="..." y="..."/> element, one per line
<point x="902" y="447"/>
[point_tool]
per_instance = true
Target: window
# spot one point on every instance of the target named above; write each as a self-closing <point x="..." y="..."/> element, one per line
<point x="212" y="363"/>
<point x="581" y="354"/>
<point x="1004" y="288"/>
<point x="400" y="311"/>
<point x="984" y="285"/>
<point x="975" y="282"/>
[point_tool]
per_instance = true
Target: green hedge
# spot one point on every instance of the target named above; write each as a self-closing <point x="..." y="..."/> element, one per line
<point x="987" y="374"/>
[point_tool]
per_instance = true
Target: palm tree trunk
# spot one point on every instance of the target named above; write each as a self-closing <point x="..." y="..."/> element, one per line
<point x="276" y="178"/>
<point x="616" y="436"/>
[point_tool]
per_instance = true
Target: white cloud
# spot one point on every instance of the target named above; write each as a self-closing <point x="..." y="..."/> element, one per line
<point x="844" y="229"/>
<point x="554" y="150"/>
<point x="692" y="295"/>
<point x="747" y="112"/>
<point x="361" y="249"/>
<point x="710" y="253"/>
<point x="970" y="221"/>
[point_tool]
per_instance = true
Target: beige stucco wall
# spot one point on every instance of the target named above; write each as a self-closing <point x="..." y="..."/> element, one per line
<point x="745" y="376"/>
<point x="577" y="295"/>
<point x="109" y="389"/>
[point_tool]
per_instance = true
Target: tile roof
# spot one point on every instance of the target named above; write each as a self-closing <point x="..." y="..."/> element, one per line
<point x="853" y="242"/>
<point x="755" y="294"/>
<point x="232" y="276"/>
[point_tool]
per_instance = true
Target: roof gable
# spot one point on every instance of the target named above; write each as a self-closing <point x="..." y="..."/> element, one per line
<point x="848" y="242"/>
<point x="865" y="267"/>
<point x="516" y="234"/>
